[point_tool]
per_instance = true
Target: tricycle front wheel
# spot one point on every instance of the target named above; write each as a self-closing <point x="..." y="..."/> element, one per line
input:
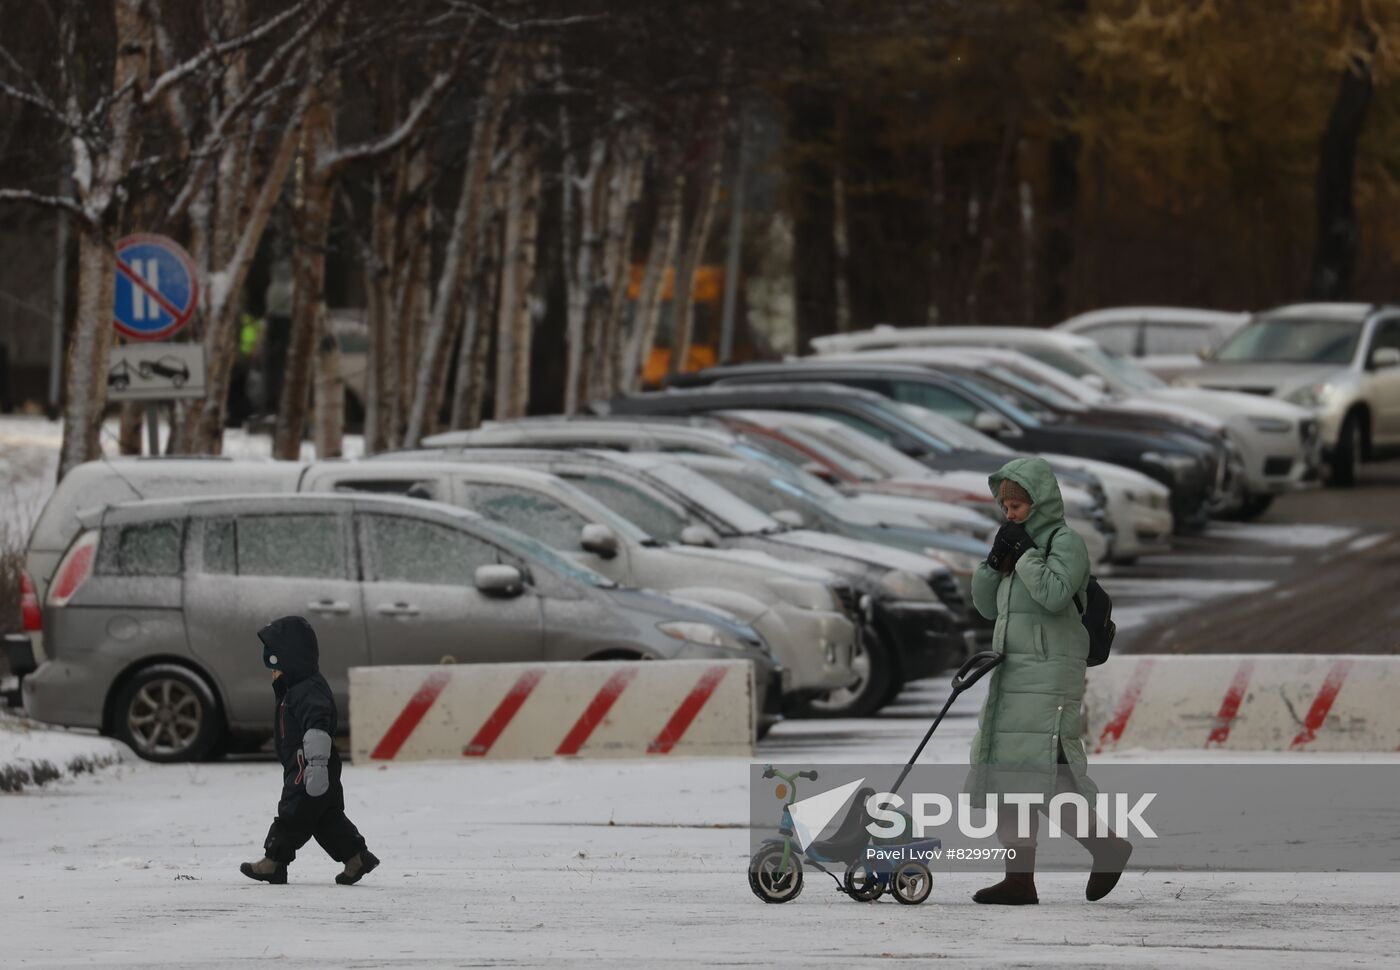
<point x="773" y="878"/>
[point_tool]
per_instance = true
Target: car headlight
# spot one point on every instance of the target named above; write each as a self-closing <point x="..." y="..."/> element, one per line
<point x="1311" y="395"/>
<point x="903" y="585"/>
<point x="1272" y="425"/>
<point x="1175" y="462"/>
<point x="959" y="562"/>
<point x="702" y="633"/>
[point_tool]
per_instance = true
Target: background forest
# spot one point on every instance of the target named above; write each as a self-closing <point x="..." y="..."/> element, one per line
<point x="501" y="196"/>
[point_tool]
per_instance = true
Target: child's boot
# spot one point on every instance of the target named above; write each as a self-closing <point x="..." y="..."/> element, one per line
<point x="265" y="870"/>
<point x="357" y="866"/>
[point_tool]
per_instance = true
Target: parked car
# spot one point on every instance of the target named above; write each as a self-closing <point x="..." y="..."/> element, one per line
<point x="875" y="415"/>
<point x="697" y="435"/>
<point x="152" y="613"/>
<point x="1340" y="360"/>
<point x="1279" y="441"/>
<point x="907" y="606"/>
<point x="796" y="609"/>
<point x="804" y="501"/>
<point x="1191" y="467"/>
<point x="1164" y="340"/>
<point x="117" y="480"/>
<point x="870" y="467"/>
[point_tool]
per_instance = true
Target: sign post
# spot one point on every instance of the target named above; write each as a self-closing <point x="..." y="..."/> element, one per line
<point x="157" y="293"/>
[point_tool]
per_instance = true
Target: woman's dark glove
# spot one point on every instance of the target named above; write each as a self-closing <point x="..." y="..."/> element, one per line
<point x="1011" y="540"/>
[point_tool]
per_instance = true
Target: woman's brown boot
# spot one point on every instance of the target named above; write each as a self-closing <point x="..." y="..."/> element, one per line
<point x="1110" y="858"/>
<point x="1018" y="888"/>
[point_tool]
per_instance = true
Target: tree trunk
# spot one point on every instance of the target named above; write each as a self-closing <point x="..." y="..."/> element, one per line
<point x="579" y="266"/>
<point x="811" y="127"/>
<point x="623" y="205"/>
<point x="514" y="316"/>
<point x="986" y="244"/>
<point x="481" y="313"/>
<point x="130" y="427"/>
<point x="97" y="178"/>
<point x="85" y="392"/>
<point x="1060" y="206"/>
<point x="665" y="237"/>
<point x="244" y="224"/>
<point x="468" y="392"/>
<point x="683" y="290"/>
<point x="437" y="335"/>
<point x="311" y="236"/>
<point x="330" y="393"/>
<point x="1334" y="258"/>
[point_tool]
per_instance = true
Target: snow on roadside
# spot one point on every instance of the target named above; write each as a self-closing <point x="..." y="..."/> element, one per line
<point x="1295" y="536"/>
<point x="33" y="754"/>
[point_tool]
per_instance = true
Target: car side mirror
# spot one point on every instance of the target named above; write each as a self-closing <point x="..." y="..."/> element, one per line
<point x="499" y="580"/>
<point x="599" y="540"/>
<point x="699" y="535"/>
<point x="790" y="517"/>
<point x="1203" y="353"/>
<point x="820" y="471"/>
<point x="1096" y="382"/>
<point x="1383" y="357"/>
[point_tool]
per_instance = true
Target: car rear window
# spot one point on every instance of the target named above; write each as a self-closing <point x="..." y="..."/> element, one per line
<point x="145" y="549"/>
<point x="305" y="545"/>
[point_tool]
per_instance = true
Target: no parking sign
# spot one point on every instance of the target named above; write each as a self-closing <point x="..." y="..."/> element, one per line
<point x="157" y="287"/>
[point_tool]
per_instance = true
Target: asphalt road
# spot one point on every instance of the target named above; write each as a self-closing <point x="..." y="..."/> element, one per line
<point x="1318" y="573"/>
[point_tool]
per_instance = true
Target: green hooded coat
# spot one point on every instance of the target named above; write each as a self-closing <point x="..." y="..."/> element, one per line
<point x="1035" y="694"/>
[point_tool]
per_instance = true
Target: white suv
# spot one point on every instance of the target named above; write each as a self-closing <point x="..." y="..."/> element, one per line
<point x="1341" y="360"/>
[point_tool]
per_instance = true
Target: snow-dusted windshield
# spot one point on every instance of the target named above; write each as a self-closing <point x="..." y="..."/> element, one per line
<point x="887" y="461"/>
<point x="955" y="433"/>
<point x="1293" y="340"/>
<point x="1127" y="372"/>
<point x="789" y="472"/>
<point x="1041" y="392"/>
<point x="737" y="515"/>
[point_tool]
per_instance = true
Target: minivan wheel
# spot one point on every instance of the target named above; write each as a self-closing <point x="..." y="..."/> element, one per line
<point x="167" y="713"/>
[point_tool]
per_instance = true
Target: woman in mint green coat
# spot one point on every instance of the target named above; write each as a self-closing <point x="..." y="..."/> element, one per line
<point x="1037" y="568"/>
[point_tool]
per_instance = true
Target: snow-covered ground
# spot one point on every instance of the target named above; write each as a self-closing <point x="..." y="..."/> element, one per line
<point x="630" y="864"/>
<point x="619" y="864"/>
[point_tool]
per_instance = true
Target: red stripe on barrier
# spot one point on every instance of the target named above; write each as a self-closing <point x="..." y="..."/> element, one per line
<point x="503" y="714"/>
<point x="1322" y="703"/>
<point x="409" y="717"/>
<point x="1113" y="730"/>
<point x="680" y="721"/>
<point x="1230" y="706"/>
<point x="596" y="710"/>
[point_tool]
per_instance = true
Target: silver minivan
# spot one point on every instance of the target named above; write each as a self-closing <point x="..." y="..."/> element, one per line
<point x="151" y="615"/>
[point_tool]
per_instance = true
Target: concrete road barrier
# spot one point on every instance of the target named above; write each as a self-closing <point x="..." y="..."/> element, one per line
<point x="1245" y="702"/>
<point x="616" y="709"/>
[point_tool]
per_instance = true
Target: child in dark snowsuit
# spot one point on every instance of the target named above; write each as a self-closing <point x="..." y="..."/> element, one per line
<point x="312" y="803"/>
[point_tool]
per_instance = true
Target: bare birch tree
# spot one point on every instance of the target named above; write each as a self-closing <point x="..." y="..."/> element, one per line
<point x="103" y="140"/>
<point x="438" y="332"/>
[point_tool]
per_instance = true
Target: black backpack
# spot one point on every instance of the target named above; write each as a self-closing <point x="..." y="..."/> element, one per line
<point x="1096" y="612"/>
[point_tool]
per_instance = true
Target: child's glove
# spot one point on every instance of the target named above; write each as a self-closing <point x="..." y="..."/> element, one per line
<point x="316" y="747"/>
<point x="1011" y="540"/>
